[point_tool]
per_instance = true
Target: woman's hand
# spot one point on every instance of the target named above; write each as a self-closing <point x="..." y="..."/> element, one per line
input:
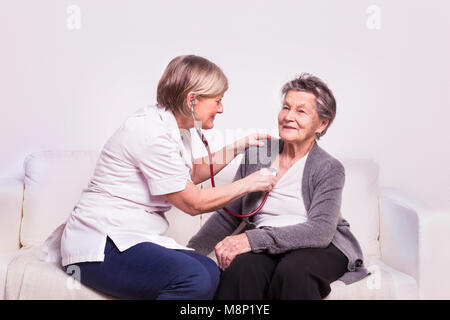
<point x="227" y="249"/>
<point x="262" y="180"/>
<point x="251" y="140"/>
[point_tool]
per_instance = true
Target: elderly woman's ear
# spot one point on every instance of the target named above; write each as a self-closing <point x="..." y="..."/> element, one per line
<point x="323" y="126"/>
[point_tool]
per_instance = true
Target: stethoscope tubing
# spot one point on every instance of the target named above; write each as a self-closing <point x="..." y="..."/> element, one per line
<point x="211" y="170"/>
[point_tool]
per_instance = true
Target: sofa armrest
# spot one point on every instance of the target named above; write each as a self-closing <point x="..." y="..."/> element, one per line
<point x="414" y="239"/>
<point x="11" y="198"/>
<point x="5" y="259"/>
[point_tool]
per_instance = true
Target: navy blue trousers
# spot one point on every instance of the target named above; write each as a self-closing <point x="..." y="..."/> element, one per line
<point x="150" y="271"/>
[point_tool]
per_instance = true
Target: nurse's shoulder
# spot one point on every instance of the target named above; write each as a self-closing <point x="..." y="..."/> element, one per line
<point x="146" y="122"/>
<point x="138" y="133"/>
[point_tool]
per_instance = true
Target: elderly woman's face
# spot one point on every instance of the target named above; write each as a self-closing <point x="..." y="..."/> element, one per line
<point x="298" y="120"/>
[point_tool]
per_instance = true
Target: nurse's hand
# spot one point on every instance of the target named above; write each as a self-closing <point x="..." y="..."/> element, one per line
<point x="262" y="180"/>
<point x="227" y="249"/>
<point x="254" y="139"/>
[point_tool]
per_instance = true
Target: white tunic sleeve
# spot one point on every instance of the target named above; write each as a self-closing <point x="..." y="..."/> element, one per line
<point x="161" y="162"/>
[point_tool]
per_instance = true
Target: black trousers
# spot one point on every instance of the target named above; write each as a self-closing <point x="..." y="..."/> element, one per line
<point x="298" y="274"/>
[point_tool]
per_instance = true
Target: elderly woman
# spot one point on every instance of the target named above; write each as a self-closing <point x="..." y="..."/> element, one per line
<point x="298" y="243"/>
<point x="114" y="237"/>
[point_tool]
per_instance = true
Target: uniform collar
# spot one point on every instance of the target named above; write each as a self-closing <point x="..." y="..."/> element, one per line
<point x="170" y="121"/>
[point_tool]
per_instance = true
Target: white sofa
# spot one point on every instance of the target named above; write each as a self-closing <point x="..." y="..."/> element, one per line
<point x="405" y="245"/>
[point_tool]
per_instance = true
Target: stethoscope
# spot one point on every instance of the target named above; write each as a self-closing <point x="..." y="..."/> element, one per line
<point x="198" y="128"/>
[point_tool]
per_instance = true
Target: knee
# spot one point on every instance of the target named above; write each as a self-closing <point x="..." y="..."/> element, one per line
<point x="201" y="280"/>
<point x="290" y="282"/>
<point x="293" y="275"/>
<point x="247" y="268"/>
<point x="203" y="285"/>
<point x="288" y="266"/>
<point x="300" y="278"/>
<point x="214" y="277"/>
<point x="211" y="277"/>
<point x="244" y="264"/>
<point x="193" y="280"/>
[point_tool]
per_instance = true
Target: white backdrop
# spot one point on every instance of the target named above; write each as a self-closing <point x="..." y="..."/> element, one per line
<point x="72" y="71"/>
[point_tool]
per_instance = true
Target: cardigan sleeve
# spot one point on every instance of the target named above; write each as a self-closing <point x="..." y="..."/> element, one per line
<point x="323" y="216"/>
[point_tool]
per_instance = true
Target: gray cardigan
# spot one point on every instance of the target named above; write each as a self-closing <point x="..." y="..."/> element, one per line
<point x="322" y="184"/>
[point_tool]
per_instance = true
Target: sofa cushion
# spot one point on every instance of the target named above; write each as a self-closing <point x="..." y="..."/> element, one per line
<point x="53" y="184"/>
<point x="31" y="278"/>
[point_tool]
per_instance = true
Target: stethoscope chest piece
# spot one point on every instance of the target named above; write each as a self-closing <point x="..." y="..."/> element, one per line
<point x="274" y="171"/>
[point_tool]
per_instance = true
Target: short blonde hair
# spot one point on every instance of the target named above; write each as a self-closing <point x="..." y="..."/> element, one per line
<point x="185" y="74"/>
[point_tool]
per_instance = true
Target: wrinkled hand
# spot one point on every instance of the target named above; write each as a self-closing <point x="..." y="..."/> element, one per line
<point x="252" y="140"/>
<point x="227" y="249"/>
<point x="261" y="180"/>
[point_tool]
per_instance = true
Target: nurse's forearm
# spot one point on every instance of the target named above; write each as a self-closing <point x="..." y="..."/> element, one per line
<point x="221" y="158"/>
<point x="212" y="199"/>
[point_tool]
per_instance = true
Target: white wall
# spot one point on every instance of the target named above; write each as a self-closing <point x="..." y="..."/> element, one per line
<point x="70" y="89"/>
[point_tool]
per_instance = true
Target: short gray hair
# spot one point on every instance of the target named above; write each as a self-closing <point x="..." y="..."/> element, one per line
<point x="325" y="101"/>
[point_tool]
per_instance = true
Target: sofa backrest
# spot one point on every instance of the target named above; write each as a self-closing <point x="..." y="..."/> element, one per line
<point x="54" y="181"/>
<point x="53" y="184"/>
<point x="360" y="203"/>
<point x="11" y="197"/>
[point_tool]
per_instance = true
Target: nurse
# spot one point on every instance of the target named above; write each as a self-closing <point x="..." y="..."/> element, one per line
<point x="114" y="237"/>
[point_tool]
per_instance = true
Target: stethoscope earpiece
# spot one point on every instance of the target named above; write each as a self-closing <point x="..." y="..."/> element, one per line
<point x="192" y="109"/>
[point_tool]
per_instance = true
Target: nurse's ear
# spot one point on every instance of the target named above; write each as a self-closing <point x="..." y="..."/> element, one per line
<point x="190" y="99"/>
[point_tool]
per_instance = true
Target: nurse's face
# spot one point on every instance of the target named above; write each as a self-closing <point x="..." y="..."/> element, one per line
<point x="205" y="110"/>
